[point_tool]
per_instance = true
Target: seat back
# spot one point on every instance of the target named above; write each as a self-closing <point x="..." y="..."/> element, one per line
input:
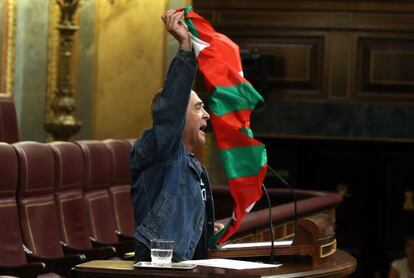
<point x="11" y="244"/>
<point x="70" y="204"/>
<point x="98" y="168"/>
<point x="35" y="199"/>
<point x="9" y="131"/>
<point x="120" y="188"/>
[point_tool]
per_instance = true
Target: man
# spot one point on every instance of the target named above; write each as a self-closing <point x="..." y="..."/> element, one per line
<point x="170" y="191"/>
<point x="404" y="268"/>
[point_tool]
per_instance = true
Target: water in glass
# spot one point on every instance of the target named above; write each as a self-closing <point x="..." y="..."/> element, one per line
<point x="161" y="252"/>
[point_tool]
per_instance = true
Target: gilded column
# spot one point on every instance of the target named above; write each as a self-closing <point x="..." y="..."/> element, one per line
<point x="8" y="48"/>
<point x="63" y="124"/>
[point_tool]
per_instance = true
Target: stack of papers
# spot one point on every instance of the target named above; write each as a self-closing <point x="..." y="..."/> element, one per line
<point x="256" y="244"/>
<point x="231" y="264"/>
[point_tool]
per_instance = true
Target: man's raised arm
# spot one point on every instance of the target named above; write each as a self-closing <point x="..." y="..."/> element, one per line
<point x="169" y="108"/>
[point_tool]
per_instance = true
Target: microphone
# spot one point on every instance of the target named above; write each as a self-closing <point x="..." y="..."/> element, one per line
<point x="272" y="233"/>
<point x="292" y="192"/>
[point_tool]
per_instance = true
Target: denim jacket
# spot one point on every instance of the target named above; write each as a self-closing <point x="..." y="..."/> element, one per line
<point x="166" y="180"/>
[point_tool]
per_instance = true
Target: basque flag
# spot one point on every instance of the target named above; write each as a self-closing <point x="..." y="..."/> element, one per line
<point x="232" y="99"/>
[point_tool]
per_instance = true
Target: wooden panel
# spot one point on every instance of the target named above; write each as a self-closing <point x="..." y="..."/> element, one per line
<point x="297" y="65"/>
<point x="285" y="19"/>
<point x="353" y="50"/>
<point x="311" y="14"/>
<point x="385" y="68"/>
<point x="384" y="21"/>
<point x="340" y="59"/>
<point x="392" y="67"/>
<point x="314" y="19"/>
<point x="405" y="6"/>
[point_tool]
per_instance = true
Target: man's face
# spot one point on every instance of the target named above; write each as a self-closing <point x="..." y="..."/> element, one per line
<point x="196" y="123"/>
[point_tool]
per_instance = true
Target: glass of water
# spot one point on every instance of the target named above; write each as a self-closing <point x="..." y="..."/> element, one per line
<point x="161" y="252"/>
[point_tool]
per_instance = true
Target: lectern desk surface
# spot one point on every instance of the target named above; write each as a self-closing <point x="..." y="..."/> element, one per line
<point x="341" y="264"/>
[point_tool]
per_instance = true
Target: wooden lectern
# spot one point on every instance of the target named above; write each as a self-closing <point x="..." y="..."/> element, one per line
<point x="315" y="237"/>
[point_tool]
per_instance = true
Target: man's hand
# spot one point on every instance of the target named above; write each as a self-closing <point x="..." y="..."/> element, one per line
<point x="218" y="227"/>
<point x="172" y="20"/>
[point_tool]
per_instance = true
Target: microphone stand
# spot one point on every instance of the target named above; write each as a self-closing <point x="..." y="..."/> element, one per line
<point x="292" y="192"/>
<point x="272" y="233"/>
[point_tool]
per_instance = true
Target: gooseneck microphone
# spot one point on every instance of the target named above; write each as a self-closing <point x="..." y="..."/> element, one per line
<point x="292" y="192"/>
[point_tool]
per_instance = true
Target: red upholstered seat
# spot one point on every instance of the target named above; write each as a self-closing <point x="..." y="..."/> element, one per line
<point x="36" y="204"/>
<point x="98" y="169"/>
<point x="9" y="131"/>
<point x="70" y="203"/>
<point x="120" y="185"/>
<point x="11" y="244"/>
<point x="35" y="198"/>
<point x="72" y="213"/>
<point x="12" y="257"/>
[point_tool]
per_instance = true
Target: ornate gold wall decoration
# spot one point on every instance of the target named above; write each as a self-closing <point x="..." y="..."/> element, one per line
<point x="63" y="124"/>
<point x="53" y="47"/>
<point x="8" y="40"/>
